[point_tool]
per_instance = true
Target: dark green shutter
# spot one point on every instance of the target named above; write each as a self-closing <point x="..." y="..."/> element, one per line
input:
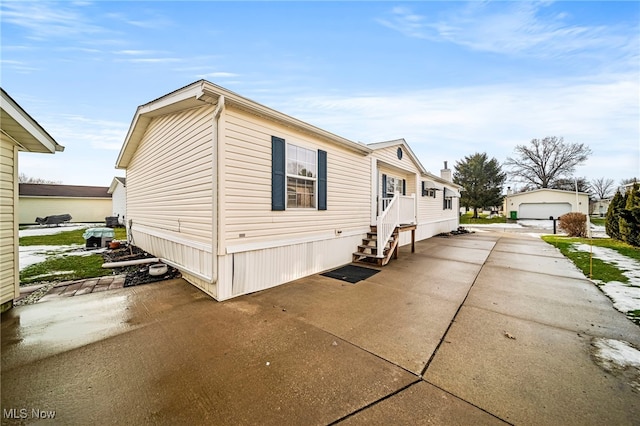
<point x="424" y="190"/>
<point x="278" y="173"/>
<point x="322" y="180"/>
<point x="404" y="187"/>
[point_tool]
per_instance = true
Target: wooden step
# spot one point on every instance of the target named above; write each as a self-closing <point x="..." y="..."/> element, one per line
<point x="368" y="258"/>
<point x="373" y="249"/>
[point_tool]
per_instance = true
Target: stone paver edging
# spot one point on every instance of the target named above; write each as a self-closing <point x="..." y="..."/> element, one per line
<point x="43" y="292"/>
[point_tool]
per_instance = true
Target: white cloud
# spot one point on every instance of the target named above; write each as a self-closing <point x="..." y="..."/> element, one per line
<point x="218" y="75"/>
<point x="153" y="60"/>
<point x="510" y="28"/>
<point x="132" y="52"/>
<point x="48" y="20"/>
<point x="19" y="66"/>
<point x="80" y="132"/>
<point x="449" y="123"/>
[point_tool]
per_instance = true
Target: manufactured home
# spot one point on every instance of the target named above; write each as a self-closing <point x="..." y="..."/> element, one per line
<point x="18" y="132"/>
<point x="240" y="197"/>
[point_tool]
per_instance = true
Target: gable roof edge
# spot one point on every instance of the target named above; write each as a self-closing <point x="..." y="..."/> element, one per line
<point x="202" y="92"/>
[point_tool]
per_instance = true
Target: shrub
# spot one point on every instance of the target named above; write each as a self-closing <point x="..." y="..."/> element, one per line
<point x="629" y="224"/>
<point x="574" y="224"/>
<point x="612" y="224"/>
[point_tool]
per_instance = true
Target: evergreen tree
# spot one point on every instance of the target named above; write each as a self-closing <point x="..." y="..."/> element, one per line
<point x="612" y="221"/>
<point x="482" y="180"/>
<point x="630" y="218"/>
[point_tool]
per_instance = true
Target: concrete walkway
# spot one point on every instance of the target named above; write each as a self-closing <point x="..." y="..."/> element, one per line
<point x="486" y="328"/>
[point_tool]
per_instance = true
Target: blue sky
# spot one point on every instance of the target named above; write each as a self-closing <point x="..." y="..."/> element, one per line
<point x="452" y="78"/>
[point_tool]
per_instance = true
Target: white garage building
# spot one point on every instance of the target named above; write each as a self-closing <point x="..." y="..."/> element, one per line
<point x="543" y="203"/>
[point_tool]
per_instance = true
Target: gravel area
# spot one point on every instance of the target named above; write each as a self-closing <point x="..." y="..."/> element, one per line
<point x="136" y="274"/>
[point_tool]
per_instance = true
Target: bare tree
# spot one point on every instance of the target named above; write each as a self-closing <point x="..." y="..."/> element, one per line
<point x="571" y="184"/>
<point x="602" y="188"/>
<point x="546" y="160"/>
<point x="23" y="178"/>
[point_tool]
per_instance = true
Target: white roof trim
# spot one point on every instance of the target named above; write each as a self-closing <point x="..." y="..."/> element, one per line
<point x="114" y="183"/>
<point x="399" y="142"/>
<point x="201" y="92"/>
<point x="21" y="118"/>
<point x="517" y="194"/>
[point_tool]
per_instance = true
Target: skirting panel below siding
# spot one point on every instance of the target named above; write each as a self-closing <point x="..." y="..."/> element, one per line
<point x="426" y="230"/>
<point x="204" y="285"/>
<point x="261" y="269"/>
<point x="195" y="264"/>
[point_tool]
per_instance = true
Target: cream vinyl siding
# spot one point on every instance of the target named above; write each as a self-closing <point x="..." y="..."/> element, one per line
<point x="169" y="178"/>
<point x="8" y="228"/>
<point x="430" y="209"/>
<point x="247" y="185"/>
<point x="390" y="156"/>
<point x="85" y="210"/>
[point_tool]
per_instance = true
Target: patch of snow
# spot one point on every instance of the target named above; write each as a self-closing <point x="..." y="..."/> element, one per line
<point x="625" y="296"/>
<point x="618" y="356"/>
<point x="45" y="230"/>
<point x="537" y="223"/>
<point x="629" y="266"/>
<point x="491" y="225"/>
<point x="30" y="255"/>
<point x="52" y="273"/>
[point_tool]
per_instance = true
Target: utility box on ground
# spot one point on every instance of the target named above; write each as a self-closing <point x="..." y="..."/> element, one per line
<point x="98" y="237"/>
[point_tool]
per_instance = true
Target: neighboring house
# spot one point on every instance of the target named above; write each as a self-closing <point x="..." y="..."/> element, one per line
<point x="544" y="203"/>
<point x="600" y="207"/>
<point x="241" y="197"/>
<point x="18" y="132"/>
<point x="84" y="203"/>
<point x="626" y="187"/>
<point x="118" y="191"/>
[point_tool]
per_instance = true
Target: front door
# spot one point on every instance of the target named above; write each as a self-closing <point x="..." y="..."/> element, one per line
<point x="390" y="185"/>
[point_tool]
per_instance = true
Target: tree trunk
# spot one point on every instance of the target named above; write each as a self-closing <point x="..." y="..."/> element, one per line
<point x="475" y="212"/>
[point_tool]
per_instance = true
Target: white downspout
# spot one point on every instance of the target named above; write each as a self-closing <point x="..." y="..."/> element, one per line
<point x="374" y="191"/>
<point x="215" y="190"/>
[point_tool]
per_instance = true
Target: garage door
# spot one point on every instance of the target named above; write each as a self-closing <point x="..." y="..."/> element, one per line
<point x="542" y="210"/>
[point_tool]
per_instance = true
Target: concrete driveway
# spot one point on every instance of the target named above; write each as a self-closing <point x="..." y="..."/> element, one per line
<point x="487" y="328"/>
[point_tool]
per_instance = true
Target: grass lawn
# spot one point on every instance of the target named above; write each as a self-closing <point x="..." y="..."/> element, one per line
<point x="601" y="270"/>
<point x="64" y="268"/>
<point x="467" y="219"/>
<point x="61" y="266"/>
<point x="598" y="220"/>
<point x="65" y="238"/>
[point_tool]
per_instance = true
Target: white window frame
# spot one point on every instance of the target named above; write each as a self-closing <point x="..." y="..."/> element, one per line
<point x="313" y="179"/>
<point x="449" y="203"/>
